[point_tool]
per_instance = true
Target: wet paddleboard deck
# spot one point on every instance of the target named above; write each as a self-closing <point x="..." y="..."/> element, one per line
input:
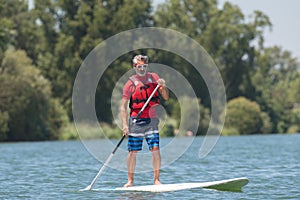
<point x="235" y="184"/>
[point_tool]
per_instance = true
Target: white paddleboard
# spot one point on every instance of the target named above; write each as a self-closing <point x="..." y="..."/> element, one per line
<point x="235" y="184"/>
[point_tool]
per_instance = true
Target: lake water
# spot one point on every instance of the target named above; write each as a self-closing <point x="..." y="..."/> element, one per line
<point x="58" y="170"/>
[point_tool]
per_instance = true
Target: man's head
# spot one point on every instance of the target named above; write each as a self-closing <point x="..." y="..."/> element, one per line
<point x="140" y="64"/>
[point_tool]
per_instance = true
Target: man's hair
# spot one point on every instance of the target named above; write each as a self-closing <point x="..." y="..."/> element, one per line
<point x="139" y="58"/>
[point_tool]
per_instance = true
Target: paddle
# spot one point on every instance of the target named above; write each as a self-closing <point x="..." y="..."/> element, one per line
<point x="89" y="187"/>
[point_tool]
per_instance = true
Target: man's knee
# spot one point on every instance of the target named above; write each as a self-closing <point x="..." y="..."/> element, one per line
<point x="132" y="153"/>
<point x="154" y="149"/>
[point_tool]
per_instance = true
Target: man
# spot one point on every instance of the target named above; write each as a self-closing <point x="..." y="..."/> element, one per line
<point x="136" y="92"/>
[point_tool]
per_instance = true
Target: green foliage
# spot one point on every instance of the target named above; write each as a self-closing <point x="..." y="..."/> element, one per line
<point x="185" y="111"/>
<point x="294" y="126"/>
<point x="244" y="115"/>
<point x="276" y="81"/>
<point x="205" y="118"/>
<point x="4" y="119"/>
<point x="294" y="129"/>
<point x="167" y="128"/>
<point x="111" y="131"/>
<point x="88" y="132"/>
<point x="5" y="36"/>
<point x="167" y="131"/>
<point x="68" y="132"/>
<point x="229" y="131"/>
<point x="57" y="118"/>
<point x="188" y="114"/>
<point x="267" y="124"/>
<point x="26" y="96"/>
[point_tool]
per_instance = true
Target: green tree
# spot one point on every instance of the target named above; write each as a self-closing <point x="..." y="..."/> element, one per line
<point x="245" y="116"/>
<point x="8" y="11"/>
<point x="4" y="118"/>
<point x="184" y="111"/>
<point x="5" y="37"/>
<point x="26" y="96"/>
<point x="294" y="99"/>
<point x="275" y="79"/>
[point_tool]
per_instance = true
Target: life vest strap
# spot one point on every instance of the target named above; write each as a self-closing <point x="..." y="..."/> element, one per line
<point x="155" y="99"/>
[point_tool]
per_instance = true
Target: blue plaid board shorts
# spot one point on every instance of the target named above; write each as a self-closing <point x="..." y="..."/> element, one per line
<point x="143" y="128"/>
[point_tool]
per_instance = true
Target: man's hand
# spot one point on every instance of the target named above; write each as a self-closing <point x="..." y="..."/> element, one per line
<point x="161" y="82"/>
<point x="125" y="130"/>
<point x="163" y="90"/>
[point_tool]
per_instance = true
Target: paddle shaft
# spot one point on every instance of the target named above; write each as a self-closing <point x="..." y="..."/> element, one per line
<point x="120" y="142"/>
<point x="106" y="163"/>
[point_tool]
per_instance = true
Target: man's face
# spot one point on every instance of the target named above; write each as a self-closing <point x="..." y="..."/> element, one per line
<point x="141" y="68"/>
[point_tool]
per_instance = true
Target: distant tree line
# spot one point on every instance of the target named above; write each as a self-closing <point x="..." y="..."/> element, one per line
<point x="41" y="50"/>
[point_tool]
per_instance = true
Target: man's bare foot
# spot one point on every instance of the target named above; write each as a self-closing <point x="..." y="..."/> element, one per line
<point x="128" y="184"/>
<point x="157" y="182"/>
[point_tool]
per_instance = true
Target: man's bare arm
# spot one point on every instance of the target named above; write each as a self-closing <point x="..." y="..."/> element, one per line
<point x="124" y="116"/>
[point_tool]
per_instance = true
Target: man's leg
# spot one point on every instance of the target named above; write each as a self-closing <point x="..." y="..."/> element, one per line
<point x="131" y="162"/>
<point x="153" y="143"/>
<point x="134" y="145"/>
<point x="156" y="164"/>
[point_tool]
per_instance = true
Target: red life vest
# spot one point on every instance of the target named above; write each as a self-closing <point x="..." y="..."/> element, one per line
<point x="142" y="92"/>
